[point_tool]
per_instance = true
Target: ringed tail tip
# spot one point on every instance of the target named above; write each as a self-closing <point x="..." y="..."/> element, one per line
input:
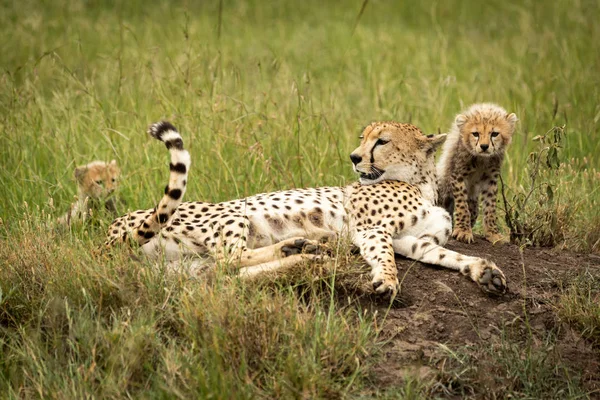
<point x="158" y="129"/>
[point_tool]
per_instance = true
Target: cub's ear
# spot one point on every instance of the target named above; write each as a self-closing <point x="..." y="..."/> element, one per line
<point x="113" y="162"/>
<point x="80" y="173"/>
<point x="460" y="120"/>
<point x="512" y="118"/>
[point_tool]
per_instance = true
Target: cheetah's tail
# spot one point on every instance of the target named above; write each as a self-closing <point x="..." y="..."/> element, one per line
<point x="179" y="167"/>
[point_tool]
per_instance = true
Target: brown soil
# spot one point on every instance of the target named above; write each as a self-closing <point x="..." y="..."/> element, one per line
<point x="438" y="306"/>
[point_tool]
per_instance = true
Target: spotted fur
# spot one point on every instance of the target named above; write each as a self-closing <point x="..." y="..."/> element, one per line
<point x="469" y="167"/>
<point x="389" y="211"/>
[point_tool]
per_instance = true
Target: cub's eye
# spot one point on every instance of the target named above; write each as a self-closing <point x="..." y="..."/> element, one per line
<point x="476" y="134"/>
<point x="495" y="134"/>
<point x="114" y="180"/>
<point x="381" y="142"/>
<point x="99" y="182"/>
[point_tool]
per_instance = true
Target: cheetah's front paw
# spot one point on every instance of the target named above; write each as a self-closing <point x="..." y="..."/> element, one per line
<point x="386" y="284"/>
<point x="489" y="277"/>
<point x="463" y="235"/>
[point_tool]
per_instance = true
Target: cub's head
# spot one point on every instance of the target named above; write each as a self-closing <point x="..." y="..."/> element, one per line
<point x="97" y="179"/>
<point x="486" y="129"/>
<point x="395" y="151"/>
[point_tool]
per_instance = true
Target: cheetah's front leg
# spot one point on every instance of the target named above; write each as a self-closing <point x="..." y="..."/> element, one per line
<point x="462" y="216"/>
<point x="489" y="211"/>
<point x="376" y="248"/>
<point x="489" y="277"/>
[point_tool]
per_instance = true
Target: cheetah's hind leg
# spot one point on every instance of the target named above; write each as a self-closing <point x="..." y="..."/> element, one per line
<point x="279" y="265"/>
<point x="282" y="255"/>
<point x="281" y="250"/>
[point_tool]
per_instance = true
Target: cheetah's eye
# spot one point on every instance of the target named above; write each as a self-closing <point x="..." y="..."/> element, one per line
<point x="99" y="182"/>
<point x="495" y="134"/>
<point x="381" y="142"/>
<point x="476" y="134"/>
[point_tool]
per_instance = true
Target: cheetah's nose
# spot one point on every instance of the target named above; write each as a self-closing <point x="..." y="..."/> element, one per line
<point x="355" y="158"/>
<point x="484" y="147"/>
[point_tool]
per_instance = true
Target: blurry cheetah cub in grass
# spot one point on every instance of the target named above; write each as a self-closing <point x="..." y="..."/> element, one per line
<point x="95" y="183"/>
<point x="469" y="167"/>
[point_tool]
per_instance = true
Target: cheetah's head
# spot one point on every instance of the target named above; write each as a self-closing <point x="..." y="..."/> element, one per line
<point x="97" y="179"/>
<point x="395" y="151"/>
<point x="486" y="129"/>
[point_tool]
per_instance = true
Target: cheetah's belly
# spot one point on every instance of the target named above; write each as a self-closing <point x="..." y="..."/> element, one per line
<point x="310" y="213"/>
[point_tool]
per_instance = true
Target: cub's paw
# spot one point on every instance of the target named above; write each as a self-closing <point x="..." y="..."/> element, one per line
<point x="301" y="246"/>
<point x="495" y="238"/>
<point x="463" y="235"/>
<point x="489" y="277"/>
<point x="386" y="284"/>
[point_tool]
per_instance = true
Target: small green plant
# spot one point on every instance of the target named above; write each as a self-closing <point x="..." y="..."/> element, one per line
<point x="530" y="215"/>
<point x="553" y="207"/>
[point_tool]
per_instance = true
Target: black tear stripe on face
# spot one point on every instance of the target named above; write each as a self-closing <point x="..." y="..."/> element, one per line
<point x="372" y="156"/>
<point x="377" y="143"/>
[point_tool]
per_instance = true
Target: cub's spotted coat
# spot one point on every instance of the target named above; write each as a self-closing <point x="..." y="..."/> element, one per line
<point x="469" y="167"/>
<point x="390" y="211"/>
<point x="96" y="181"/>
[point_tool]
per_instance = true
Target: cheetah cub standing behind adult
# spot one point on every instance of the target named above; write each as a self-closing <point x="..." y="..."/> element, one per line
<point x="96" y="181"/>
<point x="470" y="167"/>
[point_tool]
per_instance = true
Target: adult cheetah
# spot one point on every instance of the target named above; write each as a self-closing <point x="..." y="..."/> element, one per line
<point x="390" y="210"/>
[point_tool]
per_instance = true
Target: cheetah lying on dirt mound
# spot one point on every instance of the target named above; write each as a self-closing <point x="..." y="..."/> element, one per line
<point x="389" y="211"/>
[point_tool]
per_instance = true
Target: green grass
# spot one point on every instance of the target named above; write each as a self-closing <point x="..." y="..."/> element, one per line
<point x="580" y="305"/>
<point x="268" y="95"/>
<point x="73" y="325"/>
<point x="510" y="367"/>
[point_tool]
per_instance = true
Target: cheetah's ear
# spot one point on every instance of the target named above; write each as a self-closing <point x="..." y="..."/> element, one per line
<point x="113" y="162"/>
<point x="460" y="120"/>
<point x="512" y="118"/>
<point x="436" y="141"/>
<point x="80" y="173"/>
<point x="433" y="142"/>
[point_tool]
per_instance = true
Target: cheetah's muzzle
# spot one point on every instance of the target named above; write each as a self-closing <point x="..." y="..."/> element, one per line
<point x="376" y="173"/>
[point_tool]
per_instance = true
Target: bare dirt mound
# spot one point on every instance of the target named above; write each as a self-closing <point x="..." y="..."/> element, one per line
<point x="440" y="307"/>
